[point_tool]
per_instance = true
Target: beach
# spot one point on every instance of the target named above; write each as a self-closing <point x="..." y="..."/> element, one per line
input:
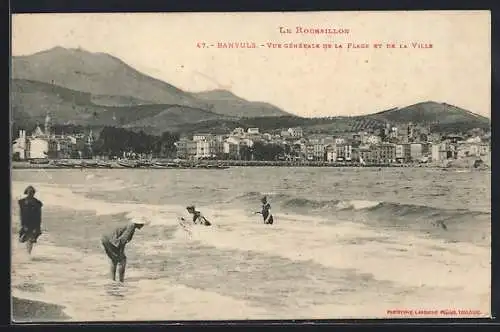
<point x="35" y="311"/>
<point x="347" y="243"/>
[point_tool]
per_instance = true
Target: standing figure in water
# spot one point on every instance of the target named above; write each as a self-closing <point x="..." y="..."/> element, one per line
<point x="198" y="218"/>
<point x="31" y="218"/>
<point x="114" y="245"/>
<point x="266" y="211"/>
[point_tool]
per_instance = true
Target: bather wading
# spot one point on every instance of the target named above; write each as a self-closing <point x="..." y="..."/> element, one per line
<point x="114" y="246"/>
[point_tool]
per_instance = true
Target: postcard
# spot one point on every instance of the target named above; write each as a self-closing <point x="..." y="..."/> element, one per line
<point x="249" y="166"/>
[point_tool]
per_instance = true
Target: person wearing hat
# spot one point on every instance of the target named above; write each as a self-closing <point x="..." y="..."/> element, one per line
<point x="266" y="211"/>
<point x="114" y="245"/>
<point x="31" y="218"/>
<point x="198" y="218"/>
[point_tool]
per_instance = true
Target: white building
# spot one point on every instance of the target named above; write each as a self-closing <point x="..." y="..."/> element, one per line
<point x="339" y="140"/>
<point x="38" y="148"/>
<point x="205" y="149"/>
<point x="253" y="131"/>
<point x="331" y="153"/>
<point x="372" y="139"/>
<point x="344" y="152"/>
<point x="296" y="132"/>
<point x="202" y="137"/>
<point x="238" y="131"/>
<point x="20" y="145"/>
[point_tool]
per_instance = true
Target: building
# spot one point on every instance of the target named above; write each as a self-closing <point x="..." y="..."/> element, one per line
<point x="403" y="152"/>
<point x="331" y="153"/>
<point x="344" y="152"/>
<point x="19" y="148"/>
<point x="38" y="148"/>
<point x="366" y="155"/>
<point x="253" y="131"/>
<point x="372" y="139"/>
<point x="181" y="147"/>
<point x="206" y="149"/>
<point x="296" y="132"/>
<point x="231" y="150"/>
<point x="339" y="140"/>
<point x="318" y="151"/>
<point x="416" y="151"/>
<point x="238" y="132"/>
<point x="386" y="153"/>
<point x="202" y="137"/>
<point x="438" y="152"/>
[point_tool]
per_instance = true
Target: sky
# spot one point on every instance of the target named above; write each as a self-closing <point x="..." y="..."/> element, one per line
<point x="306" y="82"/>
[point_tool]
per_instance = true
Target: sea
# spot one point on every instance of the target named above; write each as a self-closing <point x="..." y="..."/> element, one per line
<point x="346" y="243"/>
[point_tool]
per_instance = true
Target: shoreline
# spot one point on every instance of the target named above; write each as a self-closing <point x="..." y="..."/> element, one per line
<point x="29" y="311"/>
<point x="215" y="165"/>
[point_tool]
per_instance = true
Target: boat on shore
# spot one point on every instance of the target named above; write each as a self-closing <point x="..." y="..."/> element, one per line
<point x="127" y="163"/>
<point x="41" y="161"/>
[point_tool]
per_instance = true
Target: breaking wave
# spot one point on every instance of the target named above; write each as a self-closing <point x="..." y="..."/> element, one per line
<point x="364" y="209"/>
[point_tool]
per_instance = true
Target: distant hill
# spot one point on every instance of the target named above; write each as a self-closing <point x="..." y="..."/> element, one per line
<point x="32" y="100"/>
<point x="112" y="82"/>
<point x="429" y="112"/>
<point x="441" y="117"/>
<point x="98" y="74"/>
<point x="226" y="103"/>
<point x="96" y="89"/>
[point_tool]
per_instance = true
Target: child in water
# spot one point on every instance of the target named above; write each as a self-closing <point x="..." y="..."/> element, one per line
<point x="114" y="246"/>
<point x="266" y="212"/>
<point x="198" y="218"/>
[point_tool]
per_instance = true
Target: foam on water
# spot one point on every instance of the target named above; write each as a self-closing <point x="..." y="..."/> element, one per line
<point x="79" y="281"/>
<point x="340" y="246"/>
<point x="459" y="271"/>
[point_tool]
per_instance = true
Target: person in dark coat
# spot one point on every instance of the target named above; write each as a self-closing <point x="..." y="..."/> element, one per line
<point x="266" y="211"/>
<point x="31" y="218"/>
<point x="114" y="246"/>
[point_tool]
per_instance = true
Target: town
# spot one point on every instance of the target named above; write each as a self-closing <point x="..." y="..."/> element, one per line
<point x="392" y="145"/>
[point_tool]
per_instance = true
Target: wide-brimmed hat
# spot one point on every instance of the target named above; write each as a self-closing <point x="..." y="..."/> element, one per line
<point x="29" y="189"/>
<point x="141" y="221"/>
<point x="138" y="218"/>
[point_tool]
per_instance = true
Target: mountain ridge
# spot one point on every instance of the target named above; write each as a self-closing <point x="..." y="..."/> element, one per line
<point x="151" y="103"/>
<point x="100" y="73"/>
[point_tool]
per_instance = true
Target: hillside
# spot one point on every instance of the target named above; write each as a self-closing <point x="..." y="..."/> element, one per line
<point x="114" y="83"/>
<point x="226" y="103"/>
<point x="96" y="89"/>
<point x="170" y="118"/>
<point x="97" y="73"/>
<point x="430" y="112"/>
<point x="32" y="100"/>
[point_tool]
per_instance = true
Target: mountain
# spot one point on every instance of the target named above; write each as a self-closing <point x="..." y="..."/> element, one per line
<point x="97" y="89"/>
<point x="226" y="103"/>
<point x="429" y="112"/>
<point x="112" y="82"/>
<point x="98" y="74"/>
<point x="32" y="100"/>
<point x="441" y="117"/>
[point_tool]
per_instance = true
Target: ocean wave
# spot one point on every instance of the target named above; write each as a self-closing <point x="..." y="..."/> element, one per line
<point x="363" y="209"/>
